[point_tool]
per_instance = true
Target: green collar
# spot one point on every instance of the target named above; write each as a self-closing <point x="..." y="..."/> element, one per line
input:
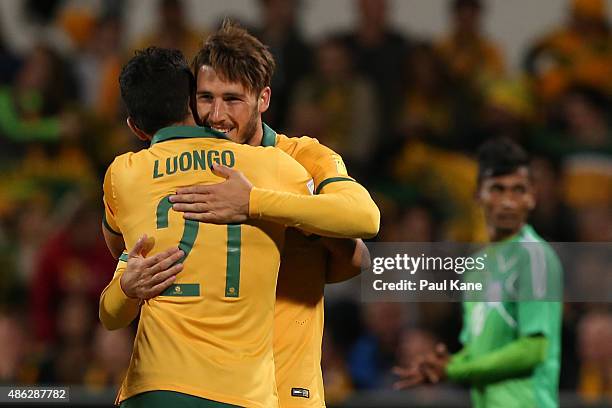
<point x="185" y="132"/>
<point x="269" y="136"/>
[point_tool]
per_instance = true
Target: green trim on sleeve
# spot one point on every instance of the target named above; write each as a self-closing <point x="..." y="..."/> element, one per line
<point x="331" y="180"/>
<point x="108" y="227"/>
<point x="123" y="257"/>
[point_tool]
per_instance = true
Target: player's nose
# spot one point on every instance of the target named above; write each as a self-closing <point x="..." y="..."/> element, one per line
<point x="216" y="113"/>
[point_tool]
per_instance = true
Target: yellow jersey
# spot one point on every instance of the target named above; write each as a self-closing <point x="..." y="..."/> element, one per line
<point x="210" y="333"/>
<point x="298" y="315"/>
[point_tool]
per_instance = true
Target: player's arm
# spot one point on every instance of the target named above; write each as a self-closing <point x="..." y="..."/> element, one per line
<point x="137" y="278"/>
<point x="117" y="310"/>
<point x="347" y="256"/>
<point x="344" y="210"/>
<point x="515" y="359"/>
<point x="114" y="241"/>
<point x="340" y="208"/>
<point x="110" y="229"/>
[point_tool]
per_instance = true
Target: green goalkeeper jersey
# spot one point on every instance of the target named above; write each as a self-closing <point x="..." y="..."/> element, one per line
<point x="526" y="269"/>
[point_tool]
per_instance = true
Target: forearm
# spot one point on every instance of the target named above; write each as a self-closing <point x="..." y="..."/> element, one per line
<point x="346" y="210"/>
<point x="117" y="310"/>
<point x="513" y="360"/>
<point x="346" y="258"/>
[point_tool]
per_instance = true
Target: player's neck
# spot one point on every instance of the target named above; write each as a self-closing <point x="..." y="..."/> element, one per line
<point x="187" y="121"/>
<point x="257" y="136"/>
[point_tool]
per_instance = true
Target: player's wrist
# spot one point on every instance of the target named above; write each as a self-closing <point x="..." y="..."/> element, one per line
<point x="123" y="285"/>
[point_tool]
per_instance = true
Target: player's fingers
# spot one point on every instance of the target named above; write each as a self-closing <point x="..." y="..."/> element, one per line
<point x="192" y="208"/>
<point x="406" y="372"/>
<point x="151" y="261"/>
<point x="403" y="384"/>
<point x="197" y="189"/>
<point x="167" y="262"/>
<point x="223" y="171"/>
<point x="159" y="288"/>
<point x="138" y="247"/>
<point x="430" y="373"/>
<point x="400" y="371"/>
<point x="165" y="274"/>
<point x="208" y="217"/>
<point x="188" y="198"/>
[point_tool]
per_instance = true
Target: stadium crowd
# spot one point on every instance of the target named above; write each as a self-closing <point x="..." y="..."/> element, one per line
<point x="405" y="113"/>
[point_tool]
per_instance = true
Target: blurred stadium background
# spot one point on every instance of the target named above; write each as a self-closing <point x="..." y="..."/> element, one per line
<point x="404" y="90"/>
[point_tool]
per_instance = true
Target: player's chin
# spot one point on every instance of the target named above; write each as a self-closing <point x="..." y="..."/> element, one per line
<point x="234" y="136"/>
<point x="508" y="225"/>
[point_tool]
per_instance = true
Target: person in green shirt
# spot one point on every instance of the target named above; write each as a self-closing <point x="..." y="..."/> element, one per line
<point x="511" y="342"/>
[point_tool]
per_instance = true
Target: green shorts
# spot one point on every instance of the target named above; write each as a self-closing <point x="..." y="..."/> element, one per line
<point x="164" y="399"/>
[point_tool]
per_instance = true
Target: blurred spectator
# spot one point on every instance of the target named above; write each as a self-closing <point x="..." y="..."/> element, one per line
<point x="506" y="111"/>
<point x="173" y="30"/>
<point x="338" y="385"/>
<point x="111" y="356"/>
<point x="379" y="52"/>
<point x="32" y="109"/>
<point x="414" y="223"/>
<point x="9" y="63"/>
<point x="469" y="54"/>
<point x="373" y="354"/>
<point x="67" y="361"/>
<point x="78" y="21"/>
<point x="293" y="56"/>
<point x="414" y="343"/>
<point x="581" y="142"/>
<point x="444" y="176"/>
<point x="13" y="351"/>
<point x="578" y="53"/>
<point x="74" y="261"/>
<point x="595" y="350"/>
<point x="594" y="224"/>
<point x="550" y="207"/>
<point x="426" y="110"/>
<point x="33" y="227"/>
<point x="98" y="66"/>
<point x="336" y="105"/>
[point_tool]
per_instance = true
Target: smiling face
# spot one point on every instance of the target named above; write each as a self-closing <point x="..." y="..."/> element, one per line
<point x="230" y="107"/>
<point x="506" y="200"/>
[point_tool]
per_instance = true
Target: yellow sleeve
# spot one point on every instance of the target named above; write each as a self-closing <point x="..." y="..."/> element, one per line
<point x="110" y="208"/>
<point x="320" y="161"/>
<point x="117" y="310"/>
<point x="340" y="208"/>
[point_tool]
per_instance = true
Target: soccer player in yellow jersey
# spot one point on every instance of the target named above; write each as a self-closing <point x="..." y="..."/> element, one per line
<point x="206" y="340"/>
<point x="340" y="208"/>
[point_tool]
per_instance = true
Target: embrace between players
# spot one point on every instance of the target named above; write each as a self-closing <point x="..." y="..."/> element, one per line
<point x="249" y="225"/>
<point x="216" y="328"/>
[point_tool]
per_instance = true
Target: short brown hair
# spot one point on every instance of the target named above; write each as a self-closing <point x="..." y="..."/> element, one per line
<point x="236" y="56"/>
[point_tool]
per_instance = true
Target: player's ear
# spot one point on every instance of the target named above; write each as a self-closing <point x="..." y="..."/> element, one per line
<point x="135" y="130"/>
<point x="263" y="103"/>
